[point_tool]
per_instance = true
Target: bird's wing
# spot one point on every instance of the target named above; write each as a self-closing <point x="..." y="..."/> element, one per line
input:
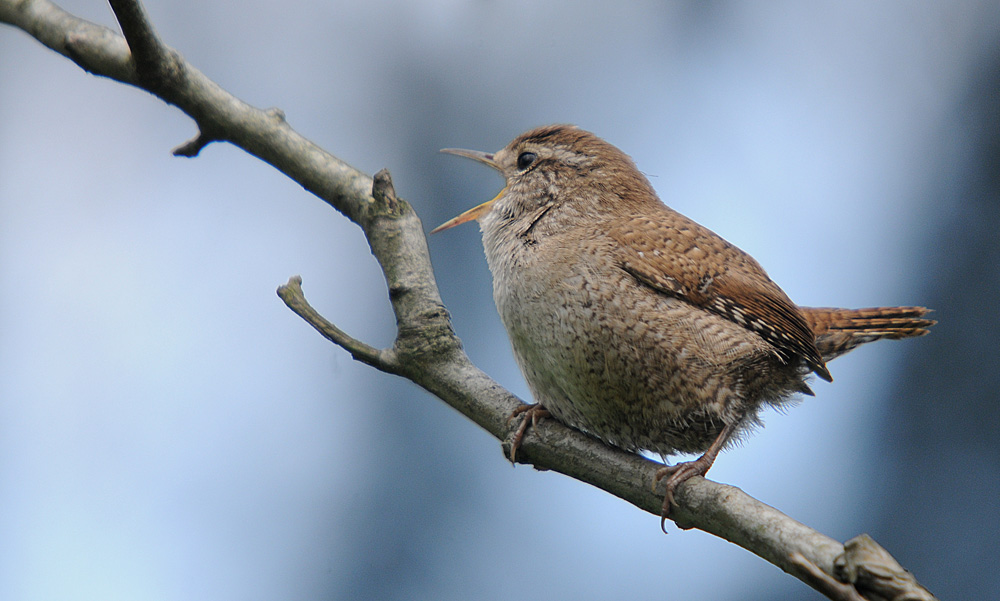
<point x="678" y="257"/>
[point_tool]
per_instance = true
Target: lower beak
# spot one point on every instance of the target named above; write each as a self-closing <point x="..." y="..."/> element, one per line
<point x="478" y="211"/>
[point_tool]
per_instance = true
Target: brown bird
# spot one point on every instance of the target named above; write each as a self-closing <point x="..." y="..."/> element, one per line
<point x="632" y="322"/>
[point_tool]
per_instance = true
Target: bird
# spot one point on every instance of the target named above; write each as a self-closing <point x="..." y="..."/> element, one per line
<point x="635" y="324"/>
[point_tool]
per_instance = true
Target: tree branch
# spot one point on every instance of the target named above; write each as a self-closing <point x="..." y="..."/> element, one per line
<point x="426" y="349"/>
<point x="291" y="293"/>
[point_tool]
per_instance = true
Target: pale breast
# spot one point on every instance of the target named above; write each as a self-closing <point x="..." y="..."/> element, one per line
<point x="639" y="369"/>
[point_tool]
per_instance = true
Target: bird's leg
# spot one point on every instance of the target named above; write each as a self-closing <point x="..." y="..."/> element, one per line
<point x="683" y="471"/>
<point x="530" y="414"/>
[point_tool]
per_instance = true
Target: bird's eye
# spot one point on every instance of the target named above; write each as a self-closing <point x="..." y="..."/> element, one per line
<point x="525" y="159"/>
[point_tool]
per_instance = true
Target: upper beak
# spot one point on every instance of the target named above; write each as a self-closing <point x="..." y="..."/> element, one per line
<point x="477" y="211"/>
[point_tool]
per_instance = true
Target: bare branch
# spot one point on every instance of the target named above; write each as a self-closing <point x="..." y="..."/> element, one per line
<point x="426" y="349"/>
<point x="823" y="582"/>
<point x="291" y="293"/>
<point x="94" y="48"/>
<point x="192" y="147"/>
<point x="151" y="57"/>
<point x="220" y="115"/>
<point x="870" y="568"/>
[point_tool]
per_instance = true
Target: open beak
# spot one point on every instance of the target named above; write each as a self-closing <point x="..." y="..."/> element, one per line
<point x="478" y="211"/>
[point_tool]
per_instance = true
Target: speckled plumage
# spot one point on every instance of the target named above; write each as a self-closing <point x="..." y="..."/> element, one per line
<point x="634" y="323"/>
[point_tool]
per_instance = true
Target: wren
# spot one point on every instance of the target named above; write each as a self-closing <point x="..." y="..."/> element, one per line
<point x="635" y="324"/>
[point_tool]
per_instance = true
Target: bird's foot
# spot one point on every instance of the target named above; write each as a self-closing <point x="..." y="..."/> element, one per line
<point x="529" y="415"/>
<point x="684" y="471"/>
<point x="677" y="475"/>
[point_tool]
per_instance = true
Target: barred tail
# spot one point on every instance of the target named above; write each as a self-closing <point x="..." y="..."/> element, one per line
<point x="840" y="330"/>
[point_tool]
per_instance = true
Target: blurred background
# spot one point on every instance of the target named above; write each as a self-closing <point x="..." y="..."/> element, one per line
<point x="169" y="430"/>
